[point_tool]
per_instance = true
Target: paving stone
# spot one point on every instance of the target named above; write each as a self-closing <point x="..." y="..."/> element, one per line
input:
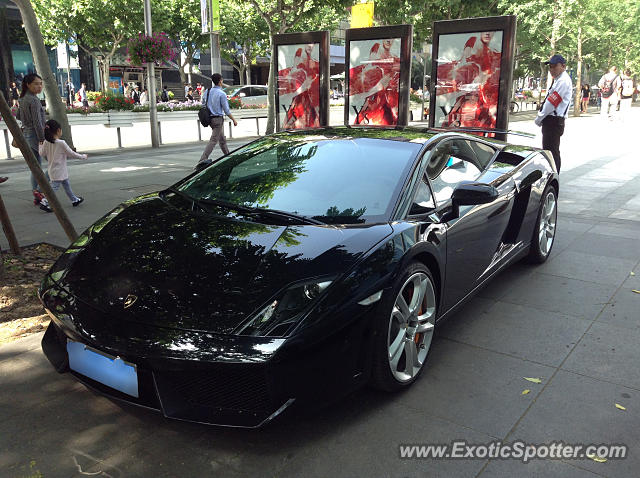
<point x="574" y="409"/>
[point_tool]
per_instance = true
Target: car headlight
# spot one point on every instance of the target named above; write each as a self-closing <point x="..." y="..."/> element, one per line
<point x="276" y="317"/>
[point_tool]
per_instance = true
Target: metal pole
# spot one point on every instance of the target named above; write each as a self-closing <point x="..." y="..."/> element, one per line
<point x="424" y="82"/>
<point x="215" y="53"/>
<point x="151" y="81"/>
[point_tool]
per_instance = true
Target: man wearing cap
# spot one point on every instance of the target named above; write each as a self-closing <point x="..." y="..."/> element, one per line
<point x="555" y="107"/>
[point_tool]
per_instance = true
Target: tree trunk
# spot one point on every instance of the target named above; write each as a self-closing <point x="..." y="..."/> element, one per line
<point x="6" y="61"/>
<point x="248" y="73"/>
<point x="104" y="66"/>
<point x="577" y="102"/>
<point x="183" y="75"/>
<point x="55" y="104"/>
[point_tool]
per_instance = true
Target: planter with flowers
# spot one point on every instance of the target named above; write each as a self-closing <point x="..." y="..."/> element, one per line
<point x="119" y="109"/>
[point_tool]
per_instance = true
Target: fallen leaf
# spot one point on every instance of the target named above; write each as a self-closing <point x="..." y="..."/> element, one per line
<point x="535" y="380"/>
<point x="620" y="406"/>
<point x="636" y="291"/>
<point x="597" y="458"/>
<point x="524" y="392"/>
<point x="632" y="273"/>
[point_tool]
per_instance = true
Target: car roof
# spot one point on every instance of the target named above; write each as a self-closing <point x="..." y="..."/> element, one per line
<point x="413" y="134"/>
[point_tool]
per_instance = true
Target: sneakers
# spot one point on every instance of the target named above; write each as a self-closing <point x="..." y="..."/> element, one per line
<point x="78" y="202"/>
<point x="44" y="205"/>
<point x="3" y="179"/>
<point x="37" y="198"/>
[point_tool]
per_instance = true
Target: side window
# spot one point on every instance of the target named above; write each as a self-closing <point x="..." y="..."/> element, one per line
<point x="244" y="92"/>
<point x="423" y="197"/>
<point x="483" y="152"/>
<point x="451" y="162"/>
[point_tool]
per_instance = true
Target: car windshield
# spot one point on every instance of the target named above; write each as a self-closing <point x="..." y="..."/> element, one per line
<point x="230" y="90"/>
<point x="342" y="180"/>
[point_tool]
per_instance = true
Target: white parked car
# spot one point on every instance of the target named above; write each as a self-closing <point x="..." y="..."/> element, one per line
<point x="248" y="94"/>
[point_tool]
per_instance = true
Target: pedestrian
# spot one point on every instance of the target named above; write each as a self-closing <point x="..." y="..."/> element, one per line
<point x="69" y="90"/>
<point x="135" y="95"/>
<point x="144" y="97"/>
<point x="186" y="88"/>
<point x="15" y="94"/>
<point x="626" y="94"/>
<point x="218" y="105"/>
<point x="164" y="96"/>
<point x="555" y="107"/>
<point x="31" y="114"/>
<point x="199" y="89"/>
<point x="586" y="91"/>
<point x="190" y="94"/>
<point x="57" y="151"/>
<point x="83" y="97"/>
<point x="609" y="85"/>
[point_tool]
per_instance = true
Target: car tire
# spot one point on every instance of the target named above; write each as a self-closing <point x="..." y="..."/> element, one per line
<point x="404" y="329"/>
<point x="544" y="233"/>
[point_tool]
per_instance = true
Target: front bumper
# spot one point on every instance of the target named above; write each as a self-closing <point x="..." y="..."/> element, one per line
<point x="204" y="377"/>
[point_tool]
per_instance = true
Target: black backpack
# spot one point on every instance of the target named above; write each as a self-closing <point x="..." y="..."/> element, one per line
<point x="204" y="115"/>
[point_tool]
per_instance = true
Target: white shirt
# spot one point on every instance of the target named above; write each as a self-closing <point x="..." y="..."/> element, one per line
<point x="57" y="154"/>
<point x="558" y="98"/>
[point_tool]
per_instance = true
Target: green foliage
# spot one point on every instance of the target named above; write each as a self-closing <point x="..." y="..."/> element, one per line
<point x="92" y="95"/>
<point x="109" y="101"/>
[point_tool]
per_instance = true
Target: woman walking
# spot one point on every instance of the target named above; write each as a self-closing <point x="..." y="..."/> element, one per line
<point x="31" y="113"/>
<point x="15" y="94"/>
<point x="584" y="104"/>
<point x="57" y="151"/>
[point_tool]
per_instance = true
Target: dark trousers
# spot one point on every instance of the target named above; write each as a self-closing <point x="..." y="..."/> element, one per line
<point x="217" y="136"/>
<point x="552" y="129"/>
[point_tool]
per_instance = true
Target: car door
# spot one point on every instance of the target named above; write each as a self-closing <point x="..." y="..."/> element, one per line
<point x="475" y="235"/>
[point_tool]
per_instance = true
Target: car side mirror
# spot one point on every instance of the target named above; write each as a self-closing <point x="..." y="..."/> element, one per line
<point x="470" y="194"/>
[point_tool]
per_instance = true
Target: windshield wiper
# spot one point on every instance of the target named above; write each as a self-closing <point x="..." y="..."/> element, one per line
<point x="194" y="201"/>
<point x="288" y="215"/>
<point x="250" y="211"/>
<point x="254" y="211"/>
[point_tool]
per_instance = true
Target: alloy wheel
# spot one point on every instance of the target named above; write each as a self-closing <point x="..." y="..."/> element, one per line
<point x="548" y="218"/>
<point x="411" y="327"/>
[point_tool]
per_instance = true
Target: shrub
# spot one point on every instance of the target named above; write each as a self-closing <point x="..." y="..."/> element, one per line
<point x="92" y="95"/>
<point x="235" y="103"/>
<point x="109" y="101"/>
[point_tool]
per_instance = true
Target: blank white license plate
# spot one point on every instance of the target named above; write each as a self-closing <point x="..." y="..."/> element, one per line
<point x="104" y="368"/>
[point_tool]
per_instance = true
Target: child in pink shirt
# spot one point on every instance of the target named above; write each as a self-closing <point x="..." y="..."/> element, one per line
<point x="57" y="151"/>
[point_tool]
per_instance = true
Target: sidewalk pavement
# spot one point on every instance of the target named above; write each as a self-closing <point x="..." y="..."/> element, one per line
<point x="573" y="322"/>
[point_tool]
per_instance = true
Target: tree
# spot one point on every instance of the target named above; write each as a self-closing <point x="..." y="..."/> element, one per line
<point x="180" y="20"/>
<point x="41" y="59"/>
<point x="88" y="20"/>
<point x="243" y="37"/>
<point x="283" y="16"/>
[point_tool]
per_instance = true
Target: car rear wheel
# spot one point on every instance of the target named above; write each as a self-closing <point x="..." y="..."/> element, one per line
<point x="544" y="233"/>
<point x="405" y="328"/>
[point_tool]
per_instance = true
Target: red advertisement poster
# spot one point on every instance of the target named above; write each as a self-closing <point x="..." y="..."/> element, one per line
<point x="468" y="79"/>
<point x="374" y="81"/>
<point x="299" y="86"/>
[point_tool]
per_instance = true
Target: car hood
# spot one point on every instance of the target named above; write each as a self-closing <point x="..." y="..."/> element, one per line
<point x="164" y="266"/>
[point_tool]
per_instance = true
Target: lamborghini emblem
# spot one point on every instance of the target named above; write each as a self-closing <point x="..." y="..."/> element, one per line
<point x="130" y="300"/>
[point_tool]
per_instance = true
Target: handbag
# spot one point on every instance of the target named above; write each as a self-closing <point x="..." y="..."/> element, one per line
<point x="204" y="115"/>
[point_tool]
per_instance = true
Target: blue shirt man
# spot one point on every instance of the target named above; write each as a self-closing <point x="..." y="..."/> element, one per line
<point x="218" y="106"/>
